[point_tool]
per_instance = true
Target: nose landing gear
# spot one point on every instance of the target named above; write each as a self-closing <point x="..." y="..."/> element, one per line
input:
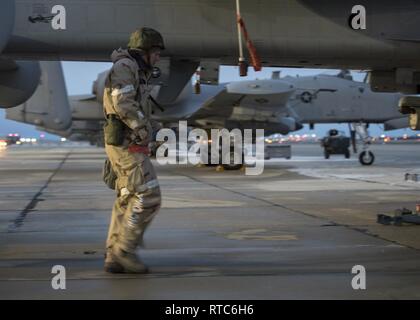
<point x="366" y="157"/>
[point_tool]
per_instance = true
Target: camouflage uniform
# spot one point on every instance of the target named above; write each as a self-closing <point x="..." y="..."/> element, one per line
<point x="138" y="193"/>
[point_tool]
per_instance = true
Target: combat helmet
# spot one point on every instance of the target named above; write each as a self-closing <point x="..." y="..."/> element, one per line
<point x="145" y="39"/>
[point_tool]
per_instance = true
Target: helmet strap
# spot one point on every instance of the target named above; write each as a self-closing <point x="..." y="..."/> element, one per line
<point x="142" y="58"/>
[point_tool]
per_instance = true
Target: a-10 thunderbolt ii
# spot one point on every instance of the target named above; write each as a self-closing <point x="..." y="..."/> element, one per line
<point x="277" y="105"/>
<point x="380" y="36"/>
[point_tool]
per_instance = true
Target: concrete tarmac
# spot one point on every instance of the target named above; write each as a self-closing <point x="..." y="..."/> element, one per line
<point x="294" y="232"/>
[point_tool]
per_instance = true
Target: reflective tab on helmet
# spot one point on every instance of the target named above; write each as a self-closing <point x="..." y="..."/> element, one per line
<point x="126" y="89"/>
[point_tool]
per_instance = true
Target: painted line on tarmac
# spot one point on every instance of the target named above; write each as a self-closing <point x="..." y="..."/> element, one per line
<point x="278" y="205"/>
<point x="18" y="222"/>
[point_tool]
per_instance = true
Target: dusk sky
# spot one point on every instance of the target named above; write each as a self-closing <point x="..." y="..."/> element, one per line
<point x="79" y="77"/>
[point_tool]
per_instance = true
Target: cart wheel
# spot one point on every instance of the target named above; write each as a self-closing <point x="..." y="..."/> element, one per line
<point x="366" y="158"/>
<point x="229" y="164"/>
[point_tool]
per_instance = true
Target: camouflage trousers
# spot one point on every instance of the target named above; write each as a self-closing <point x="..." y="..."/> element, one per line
<point x="138" y="198"/>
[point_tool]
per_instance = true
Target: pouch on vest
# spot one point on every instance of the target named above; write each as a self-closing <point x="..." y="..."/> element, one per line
<point x="114" y="130"/>
<point x="109" y="175"/>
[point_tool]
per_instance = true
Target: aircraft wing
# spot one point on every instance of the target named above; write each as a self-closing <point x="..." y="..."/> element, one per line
<point x="257" y="100"/>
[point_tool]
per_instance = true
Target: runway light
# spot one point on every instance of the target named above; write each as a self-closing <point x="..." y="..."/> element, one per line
<point x="33" y="140"/>
<point x="63" y="139"/>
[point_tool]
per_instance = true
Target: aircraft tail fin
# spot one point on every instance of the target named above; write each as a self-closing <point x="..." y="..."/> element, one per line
<point x="49" y="106"/>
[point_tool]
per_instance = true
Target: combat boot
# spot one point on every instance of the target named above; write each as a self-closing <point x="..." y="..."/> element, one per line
<point x="121" y="261"/>
<point x="111" y="265"/>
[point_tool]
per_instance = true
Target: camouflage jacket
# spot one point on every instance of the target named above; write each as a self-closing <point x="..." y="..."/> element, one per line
<point x="127" y="94"/>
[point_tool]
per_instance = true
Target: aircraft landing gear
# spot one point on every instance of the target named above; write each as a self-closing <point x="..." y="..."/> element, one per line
<point x="227" y="162"/>
<point x="366" y="157"/>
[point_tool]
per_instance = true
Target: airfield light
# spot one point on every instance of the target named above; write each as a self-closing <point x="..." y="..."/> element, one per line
<point x="63" y="139"/>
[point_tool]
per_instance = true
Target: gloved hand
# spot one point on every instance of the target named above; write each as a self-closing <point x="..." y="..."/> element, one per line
<point x="144" y="134"/>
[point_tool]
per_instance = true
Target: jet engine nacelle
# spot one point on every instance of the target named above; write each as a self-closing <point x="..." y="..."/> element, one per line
<point x="411" y="105"/>
<point x="98" y="87"/>
<point x="7" y="21"/>
<point x="394" y="124"/>
<point x="402" y="80"/>
<point x="18" y="82"/>
<point x="289" y="124"/>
